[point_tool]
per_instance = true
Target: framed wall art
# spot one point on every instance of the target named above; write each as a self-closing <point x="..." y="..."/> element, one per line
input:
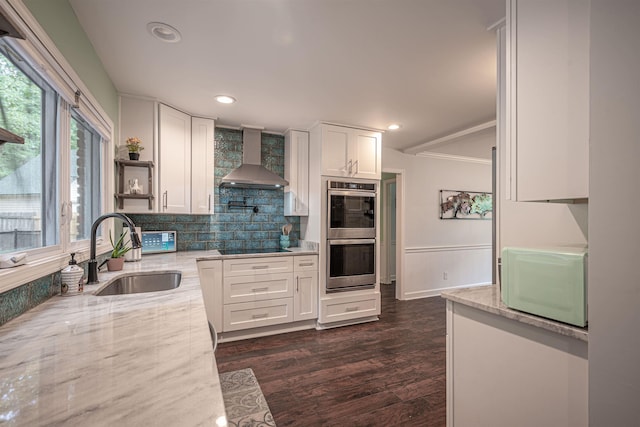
<point x="455" y="204"/>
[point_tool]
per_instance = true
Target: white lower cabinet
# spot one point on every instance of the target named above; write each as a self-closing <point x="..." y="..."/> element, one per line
<point x="246" y="315"/>
<point x="339" y="308"/>
<point x="267" y="291"/>
<point x="305" y="300"/>
<point x="501" y="372"/>
<point x="210" y="273"/>
<point x="257" y="287"/>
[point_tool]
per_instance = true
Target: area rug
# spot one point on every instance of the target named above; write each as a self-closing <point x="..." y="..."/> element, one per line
<point x="243" y="400"/>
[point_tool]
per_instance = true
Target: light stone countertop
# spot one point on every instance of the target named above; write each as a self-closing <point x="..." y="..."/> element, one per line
<point x="125" y="360"/>
<point x="487" y="298"/>
<point x="212" y="255"/>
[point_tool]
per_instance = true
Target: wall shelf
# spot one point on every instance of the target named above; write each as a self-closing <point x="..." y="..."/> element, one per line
<point x="121" y="164"/>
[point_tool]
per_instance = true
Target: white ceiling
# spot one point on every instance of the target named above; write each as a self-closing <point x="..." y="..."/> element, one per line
<point x="427" y="64"/>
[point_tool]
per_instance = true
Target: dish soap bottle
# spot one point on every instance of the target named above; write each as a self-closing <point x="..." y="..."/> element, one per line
<point x="72" y="281"/>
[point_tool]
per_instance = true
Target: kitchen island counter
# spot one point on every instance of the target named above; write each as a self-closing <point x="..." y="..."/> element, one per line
<point x="128" y="360"/>
<point x="504" y="365"/>
<point x="487" y="298"/>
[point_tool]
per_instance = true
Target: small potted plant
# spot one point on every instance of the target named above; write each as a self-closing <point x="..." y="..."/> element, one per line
<point x="134" y="145"/>
<point x="120" y="247"/>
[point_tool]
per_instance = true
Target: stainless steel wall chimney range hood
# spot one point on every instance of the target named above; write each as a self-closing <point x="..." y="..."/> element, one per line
<point x="252" y="174"/>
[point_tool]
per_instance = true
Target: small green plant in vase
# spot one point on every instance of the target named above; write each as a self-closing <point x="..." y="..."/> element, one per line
<point x="120" y="247"/>
<point x="134" y="145"/>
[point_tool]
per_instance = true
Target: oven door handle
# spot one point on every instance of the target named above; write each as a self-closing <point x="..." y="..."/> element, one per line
<point x="336" y="192"/>
<point x="331" y="242"/>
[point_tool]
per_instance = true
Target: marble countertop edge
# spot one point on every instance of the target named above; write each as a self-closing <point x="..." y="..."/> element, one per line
<point x="214" y="254"/>
<point x="487" y="298"/>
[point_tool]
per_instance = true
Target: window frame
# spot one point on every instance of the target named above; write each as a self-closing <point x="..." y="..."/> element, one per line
<point x="43" y="56"/>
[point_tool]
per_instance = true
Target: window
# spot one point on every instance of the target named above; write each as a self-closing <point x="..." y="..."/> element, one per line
<point x="54" y="185"/>
<point x="28" y="172"/>
<point x="85" y="161"/>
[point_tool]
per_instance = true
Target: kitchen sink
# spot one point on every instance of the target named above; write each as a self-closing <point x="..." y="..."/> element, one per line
<point x="142" y="282"/>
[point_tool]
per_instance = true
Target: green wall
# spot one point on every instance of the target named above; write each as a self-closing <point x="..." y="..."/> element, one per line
<point x="59" y="20"/>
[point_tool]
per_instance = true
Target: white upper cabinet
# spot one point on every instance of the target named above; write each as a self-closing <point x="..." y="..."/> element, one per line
<point x="182" y="152"/>
<point x="349" y="152"/>
<point x="367" y="158"/>
<point x="202" y="155"/>
<point x="174" y="165"/>
<point x="296" y="172"/>
<point x="547" y="83"/>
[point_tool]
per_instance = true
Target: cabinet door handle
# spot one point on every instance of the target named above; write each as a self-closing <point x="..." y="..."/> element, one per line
<point x="209" y="203"/>
<point x="306" y="264"/>
<point x="259" y="267"/>
<point x="165" y="199"/>
<point x="356" y="165"/>
<point x="348" y="309"/>
<point x="260" y="316"/>
<point x="260" y="289"/>
<point x="349" y="167"/>
<point x="297" y="284"/>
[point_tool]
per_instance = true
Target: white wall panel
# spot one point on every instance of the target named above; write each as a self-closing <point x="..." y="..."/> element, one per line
<point x="463" y="265"/>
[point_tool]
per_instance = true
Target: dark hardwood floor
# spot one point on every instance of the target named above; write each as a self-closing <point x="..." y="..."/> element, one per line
<point x="385" y="373"/>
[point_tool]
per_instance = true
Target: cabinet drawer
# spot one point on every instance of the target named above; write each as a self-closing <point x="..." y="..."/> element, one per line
<point x="305" y="263"/>
<point x="334" y="310"/>
<point x="246" y="315"/>
<point x="256" y="266"/>
<point x="257" y="287"/>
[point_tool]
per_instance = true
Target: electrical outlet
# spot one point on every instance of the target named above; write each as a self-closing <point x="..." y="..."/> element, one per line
<point x="445" y="275"/>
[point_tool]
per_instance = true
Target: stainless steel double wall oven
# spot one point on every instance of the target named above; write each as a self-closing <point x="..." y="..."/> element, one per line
<point x="351" y="235"/>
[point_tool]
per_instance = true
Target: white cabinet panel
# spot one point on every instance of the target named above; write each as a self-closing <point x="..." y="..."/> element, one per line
<point x="296" y="172"/>
<point x="210" y="273"/>
<point x="548" y="99"/>
<point x="202" y="164"/>
<point x="306" y="295"/>
<point x="349" y="152"/>
<point x="502" y="373"/>
<point x="174" y="165"/>
<point x="257" y="266"/>
<point x="257" y="287"/>
<point x="305" y="263"/>
<point x="367" y="154"/>
<point x="305" y="301"/>
<point x="335" y="150"/>
<point x="246" y="315"/>
<point x="350" y="307"/>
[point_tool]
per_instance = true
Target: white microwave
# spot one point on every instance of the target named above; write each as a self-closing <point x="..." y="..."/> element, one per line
<point x="550" y="283"/>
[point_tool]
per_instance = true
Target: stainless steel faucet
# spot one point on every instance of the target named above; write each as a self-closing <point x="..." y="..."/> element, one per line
<point x="93" y="263"/>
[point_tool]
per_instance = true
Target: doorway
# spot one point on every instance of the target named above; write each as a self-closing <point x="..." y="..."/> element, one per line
<point x="391" y="230"/>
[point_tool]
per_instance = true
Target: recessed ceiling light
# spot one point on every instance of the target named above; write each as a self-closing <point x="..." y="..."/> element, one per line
<point x="225" y="99"/>
<point x="394" y="127"/>
<point x="164" y="32"/>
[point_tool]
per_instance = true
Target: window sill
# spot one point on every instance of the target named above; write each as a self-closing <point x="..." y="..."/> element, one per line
<point x="37" y="268"/>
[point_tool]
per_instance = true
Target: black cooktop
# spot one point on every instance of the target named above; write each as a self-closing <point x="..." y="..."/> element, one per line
<point x="250" y="251"/>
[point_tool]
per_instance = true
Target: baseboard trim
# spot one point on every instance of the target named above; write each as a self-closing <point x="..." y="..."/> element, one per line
<point x="436" y="292"/>
<point x="321" y="326"/>
<point x="425" y="249"/>
<point x="265" y="331"/>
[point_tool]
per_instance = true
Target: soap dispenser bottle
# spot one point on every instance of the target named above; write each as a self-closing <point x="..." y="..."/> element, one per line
<point x="72" y="278"/>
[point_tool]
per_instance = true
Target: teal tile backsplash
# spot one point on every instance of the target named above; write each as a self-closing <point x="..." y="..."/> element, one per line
<point x="233" y="228"/>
